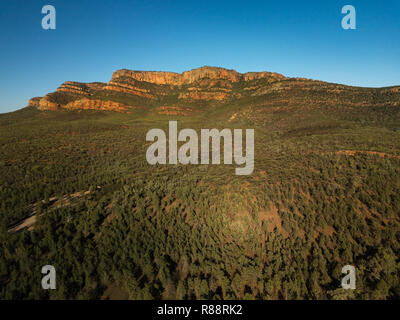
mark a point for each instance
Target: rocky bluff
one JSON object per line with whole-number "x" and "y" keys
{"x": 192, "y": 76}
{"x": 171, "y": 93}
{"x": 128, "y": 88}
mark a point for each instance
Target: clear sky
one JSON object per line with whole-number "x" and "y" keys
{"x": 93, "y": 38}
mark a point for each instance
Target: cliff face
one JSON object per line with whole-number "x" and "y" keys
{"x": 90, "y": 104}
{"x": 80, "y": 88}
{"x": 34, "y": 102}
{"x": 116, "y": 86}
{"x": 156, "y": 77}
{"x": 210, "y": 85}
{"x": 46, "y": 104}
{"x": 249, "y": 76}
{"x": 192, "y": 76}
{"x": 202, "y": 84}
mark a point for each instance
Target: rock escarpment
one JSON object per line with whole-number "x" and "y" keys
{"x": 192, "y": 76}
{"x": 202, "y": 84}
{"x": 93, "y": 104}
{"x": 207, "y": 86}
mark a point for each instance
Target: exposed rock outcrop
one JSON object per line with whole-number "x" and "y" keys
{"x": 46, "y": 104}
{"x": 205, "y": 83}
{"x": 74, "y": 87}
{"x": 34, "y": 102}
{"x": 157, "y": 77}
{"x": 127, "y": 88}
{"x": 189, "y": 77}
{"x": 88, "y": 104}
{"x": 81, "y": 88}
{"x": 262, "y": 75}
{"x": 192, "y": 76}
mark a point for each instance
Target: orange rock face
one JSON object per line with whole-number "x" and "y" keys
{"x": 34, "y": 102}
{"x": 156, "y": 77}
{"x": 74, "y": 87}
{"x": 260, "y": 75}
{"x": 192, "y": 76}
{"x": 205, "y": 83}
{"x": 189, "y": 77}
{"x": 126, "y": 88}
{"x": 88, "y": 104}
{"x": 46, "y": 104}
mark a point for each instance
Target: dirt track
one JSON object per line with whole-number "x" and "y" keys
{"x": 56, "y": 203}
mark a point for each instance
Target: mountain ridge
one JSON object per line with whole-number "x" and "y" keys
{"x": 205, "y": 84}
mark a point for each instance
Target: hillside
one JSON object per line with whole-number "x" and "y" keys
{"x": 324, "y": 192}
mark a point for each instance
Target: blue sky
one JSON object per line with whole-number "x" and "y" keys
{"x": 93, "y": 38}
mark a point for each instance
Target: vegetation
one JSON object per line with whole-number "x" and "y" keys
{"x": 320, "y": 197}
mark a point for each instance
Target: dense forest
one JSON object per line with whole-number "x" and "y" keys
{"x": 324, "y": 194}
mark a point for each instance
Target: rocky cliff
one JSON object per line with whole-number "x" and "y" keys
{"x": 192, "y": 76}
{"x": 128, "y": 88}
{"x": 205, "y": 83}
